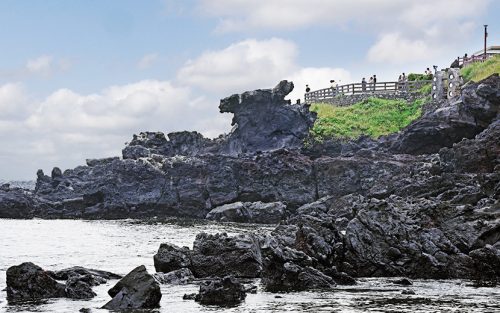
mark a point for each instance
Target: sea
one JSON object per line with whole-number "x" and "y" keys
{"x": 120, "y": 246}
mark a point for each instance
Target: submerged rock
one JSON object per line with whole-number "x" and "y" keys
{"x": 221, "y": 291}
{"x": 136, "y": 290}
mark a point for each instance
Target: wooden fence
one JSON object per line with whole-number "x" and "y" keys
{"x": 367, "y": 88}
{"x": 473, "y": 59}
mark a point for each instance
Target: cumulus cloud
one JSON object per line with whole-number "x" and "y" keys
{"x": 66, "y": 127}
{"x": 147, "y": 61}
{"x": 394, "y": 48}
{"x": 253, "y": 64}
{"x": 424, "y": 23}
{"x": 247, "y": 64}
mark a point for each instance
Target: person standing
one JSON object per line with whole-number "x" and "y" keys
{"x": 363, "y": 84}
{"x": 308, "y": 89}
{"x": 374, "y": 82}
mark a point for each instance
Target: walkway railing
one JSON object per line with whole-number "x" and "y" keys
{"x": 365, "y": 88}
{"x": 474, "y": 59}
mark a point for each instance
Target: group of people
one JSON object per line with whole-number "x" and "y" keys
{"x": 372, "y": 81}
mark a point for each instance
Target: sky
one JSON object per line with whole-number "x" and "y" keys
{"x": 78, "y": 78}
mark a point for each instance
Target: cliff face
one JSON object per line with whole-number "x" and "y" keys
{"x": 423, "y": 202}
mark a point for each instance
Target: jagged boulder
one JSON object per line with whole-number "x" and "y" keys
{"x": 263, "y": 120}
{"x": 221, "y": 291}
{"x": 221, "y": 255}
{"x": 29, "y": 282}
{"x": 171, "y": 258}
{"x": 249, "y": 212}
{"x": 136, "y": 290}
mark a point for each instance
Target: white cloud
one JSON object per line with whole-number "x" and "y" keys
{"x": 14, "y": 103}
{"x": 41, "y": 65}
{"x": 412, "y": 24}
{"x": 66, "y": 127}
{"x": 248, "y": 64}
{"x": 147, "y": 61}
{"x": 253, "y": 64}
{"x": 316, "y": 78}
{"x": 393, "y": 48}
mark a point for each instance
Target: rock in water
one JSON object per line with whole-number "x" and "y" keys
{"x": 29, "y": 282}
{"x": 220, "y": 255}
{"x": 178, "y": 277}
{"x": 171, "y": 257}
{"x": 225, "y": 291}
{"x": 137, "y": 290}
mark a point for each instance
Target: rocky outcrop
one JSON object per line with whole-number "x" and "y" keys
{"x": 171, "y": 258}
{"x": 29, "y": 282}
{"x": 221, "y": 255}
{"x": 463, "y": 117}
{"x": 221, "y": 291}
{"x": 263, "y": 120}
{"x": 213, "y": 255}
{"x": 249, "y": 212}
{"x": 420, "y": 203}
{"x": 137, "y": 290}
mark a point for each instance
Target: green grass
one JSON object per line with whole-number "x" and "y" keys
{"x": 480, "y": 70}
{"x": 426, "y": 89}
{"x": 373, "y": 117}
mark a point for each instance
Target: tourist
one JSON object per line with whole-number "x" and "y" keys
{"x": 370, "y": 83}
{"x": 374, "y": 82}
{"x": 400, "y": 82}
{"x": 308, "y": 89}
{"x": 332, "y": 83}
{"x": 363, "y": 84}
{"x": 404, "y": 80}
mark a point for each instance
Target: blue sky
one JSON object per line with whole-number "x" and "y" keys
{"x": 78, "y": 78}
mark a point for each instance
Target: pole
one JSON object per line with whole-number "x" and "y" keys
{"x": 485, "y": 36}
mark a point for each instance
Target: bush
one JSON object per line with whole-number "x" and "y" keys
{"x": 416, "y": 77}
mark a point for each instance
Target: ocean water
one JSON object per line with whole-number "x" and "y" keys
{"x": 120, "y": 246}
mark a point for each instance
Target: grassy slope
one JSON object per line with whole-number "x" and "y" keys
{"x": 481, "y": 70}
{"x": 373, "y": 117}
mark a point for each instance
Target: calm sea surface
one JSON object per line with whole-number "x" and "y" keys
{"x": 120, "y": 246}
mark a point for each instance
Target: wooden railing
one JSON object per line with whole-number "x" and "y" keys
{"x": 473, "y": 59}
{"x": 365, "y": 88}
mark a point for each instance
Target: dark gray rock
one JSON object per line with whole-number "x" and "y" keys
{"x": 29, "y": 282}
{"x": 98, "y": 276}
{"x": 221, "y": 291}
{"x": 171, "y": 258}
{"x": 137, "y": 290}
{"x": 177, "y": 277}
{"x": 403, "y": 282}
{"x": 249, "y": 212}
{"x": 221, "y": 255}
{"x": 80, "y": 287}
{"x": 263, "y": 120}
{"x": 16, "y": 203}
{"x": 477, "y": 107}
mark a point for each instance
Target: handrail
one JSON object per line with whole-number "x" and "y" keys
{"x": 365, "y": 88}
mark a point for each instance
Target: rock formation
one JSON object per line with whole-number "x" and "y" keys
{"x": 221, "y": 291}
{"x": 29, "y": 282}
{"x": 422, "y": 203}
{"x": 136, "y": 290}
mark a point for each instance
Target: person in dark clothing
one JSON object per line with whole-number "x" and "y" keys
{"x": 363, "y": 84}
{"x": 307, "y": 88}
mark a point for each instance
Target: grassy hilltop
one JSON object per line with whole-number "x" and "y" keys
{"x": 377, "y": 117}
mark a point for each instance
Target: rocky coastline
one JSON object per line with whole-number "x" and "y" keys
{"x": 422, "y": 203}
